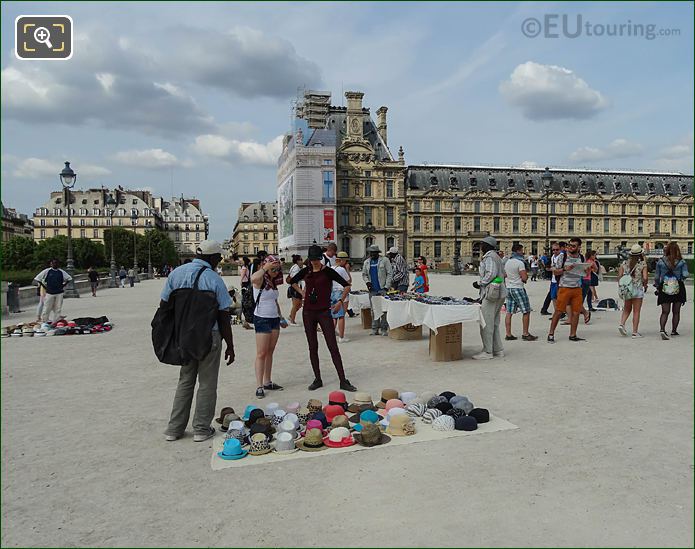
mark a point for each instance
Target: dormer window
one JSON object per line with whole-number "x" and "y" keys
{"x": 84, "y": 201}
{"x": 684, "y": 188}
{"x": 565, "y": 185}
{"x": 582, "y": 186}
{"x": 651, "y": 188}
{"x": 529, "y": 185}
{"x": 601, "y": 187}
{"x": 618, "y": 186}
{"x": 492, "y": 183}
{"x": 453, "y": 181}
{"x": 667, "y": 188}
{"x": 472, "y": 181}
{"x": 634, "y": 186}
{"x": 510, "y": 183}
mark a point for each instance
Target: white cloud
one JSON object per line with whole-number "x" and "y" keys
{"x": 618, "y": 148}
{"x": 106, "y": 80}
{"x": 233, "y": 150}
{"x": 549, "y": 92}
{"x": 37, "y": 168}
{"x": 680, "y": 150}
{"x": 149, "y": 158}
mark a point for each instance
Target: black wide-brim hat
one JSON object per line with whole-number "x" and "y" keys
{"x": 480, "y": 414}
{"x": 254, "y": 416}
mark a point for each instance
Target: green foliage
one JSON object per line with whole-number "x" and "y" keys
{"x": 160, "y": 246}
{"x": 18, "y": 253}
{"x": 51, "y": 248}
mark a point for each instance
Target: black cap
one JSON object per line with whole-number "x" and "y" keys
{"x": 315, "y": 252}
{"x": 444, "y": 407}
{"x": 465, "y": 423}
{"x": 480, "y": 414}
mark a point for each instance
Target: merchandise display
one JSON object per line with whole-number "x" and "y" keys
{"x": 386, "y": 395}
{"x": 371, "y": 435}
{"x": 78, "y": 326}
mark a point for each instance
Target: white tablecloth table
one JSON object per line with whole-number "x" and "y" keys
{"x": 360, "y": 301}
{"x": 400, "y": 313}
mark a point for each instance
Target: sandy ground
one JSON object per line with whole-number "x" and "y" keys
{"x": 603, "y": 454}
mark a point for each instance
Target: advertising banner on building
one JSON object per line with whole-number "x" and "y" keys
{"x": 286, "y": 212}
{"x": 328, "y": 225}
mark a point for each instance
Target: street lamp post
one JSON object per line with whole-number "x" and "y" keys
{"x": 111, "y": 209}
{"x": 149, "y": 248}
{"x": 457, "y": 259}
{"x": 547, "y": 179}
{"x": 134, "y": 219}
{"x": 67, "y": 180}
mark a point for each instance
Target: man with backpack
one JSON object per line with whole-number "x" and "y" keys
{"x": 205, "y": 370}
{"x": 569, "y": 289}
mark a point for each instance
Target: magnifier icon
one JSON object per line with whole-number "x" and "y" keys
{"x": 42, "y": 36}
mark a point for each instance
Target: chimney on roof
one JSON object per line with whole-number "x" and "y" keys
{"x": 381, "y": 123}
{"x": 354, "y": 115}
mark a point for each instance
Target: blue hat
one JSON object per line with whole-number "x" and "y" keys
{"x": 247, "y": 411}
{"x": 320, "y": 416}
{"x": 369, "y": 416}
{"x": 232, "y": 450}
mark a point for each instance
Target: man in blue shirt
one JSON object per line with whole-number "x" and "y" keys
{"x": 53, "y": 280}
{"x": 208, "y": 254}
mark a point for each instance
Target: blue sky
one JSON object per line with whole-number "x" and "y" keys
{"x": 202, "y": 91}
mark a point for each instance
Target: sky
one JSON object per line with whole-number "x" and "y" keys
{"x": 193, "y": 98}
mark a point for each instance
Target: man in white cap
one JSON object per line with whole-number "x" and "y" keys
{"x": 208, "y": 256}
{"x": 400, "y": 270}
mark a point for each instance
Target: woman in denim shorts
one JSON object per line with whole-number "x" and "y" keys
{"x": 267, "y": 321}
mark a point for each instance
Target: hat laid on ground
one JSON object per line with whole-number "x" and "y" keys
{"x": 314, "y": 424}
{"x": 360, "y": 402}
{"x": 320, "y": 416}
{"x": 278, "y": 416}
{"x": 457, "y": 398}
{"x": 259, "y": 444}
{"x": 447, "y": 395}
{"x": 465, "y": 404}
{"x": 270, "y": 409}
{"x": 228, "y": 418}
{"x": 393, "y": 412}
{"x": 407, "y": 397}
{"x": 294, "y": 420}
{"x": 444, "y": 407}
{"x": 303, "y": 415}
{"x": 314, "y": 405}
{"x": 262, "y": 426}
{"x": 288, "y": 427}
{"x": 393, "y": 250}
{"x": 337, "y": 398}
{"x": 292, "y": 408}
{"x": 401, "y": 425}
{"x": 416, "y": 409}
{"x": 223, "y": 412}
{"x": 231, "y": 449}
{"x": 343, "y": 255}
{"x": 455, "y": 412}
{"x": 490, "y": 241}
{"x": 371, "y": 435}
{"x": 425, "y": 396}
{"x": 430, "y": 415}
{"x": 236, "y": 424}
{"x": 465, "y": 423}
{"x": 340, "y": 421}
{"x": 312, "y": 441}
{"x": 238, "y": 434}
{"x": 390, "y": 404}
{"x": 431, "y": 403}
{"x": 285, "y": 444}
{"x": 373, "y": 248}
{"x": 315, "y": 252}
{"x": 248, "y": 410}
{"x": 367, "y": 416}
{"x": 333, "y": 410}
{"x": 636, "y": 249}
{"x": 254, "y": 416}
{"x": 444, "y": 423}
{"x": 481, "y": 415}
{"x": 386, "y": 395}
{"x": 339, "y": 437}
{"x": 209, "y": 247}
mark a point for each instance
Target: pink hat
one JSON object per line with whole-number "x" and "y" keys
{"x": 314, "y": 424}
{"x": 392, "y": 403}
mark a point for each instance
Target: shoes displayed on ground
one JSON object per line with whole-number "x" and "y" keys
{"x": 204, "y": 437}
{"x": 272, "y": 386}
{"x": 622, "y": 330}
{"x": 483, "y": 356}
{"x": 529, "y": 337}
{"x": 260, "y": 393}
{"x": 637, "y": 335}
{"x": 316, "y": 384}
{"x": 345, "y": 385}
{"x": 664, "y": 336}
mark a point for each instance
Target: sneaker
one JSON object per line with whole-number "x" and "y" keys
{"x": 273, "y": 387}
{"x": 637, "y": 335}
{"x": 343, "y": 340}
{"x": 551, "y": 338}
{"x": 665, "y": 336}
{"x": 374, "y": 333}
{"x": 345, "y": 385}
{"x": 260, "y": 393}
{"x": 316, "y": 384}
{"x": 510, "y": 338}
{"x": 622, "y": 330}
{"x": 674, "y": 333}
{"x": 204, "y": 437}
{"x": 529, "y": 337}
{"x": 483, "y": 356}
{"x": 545, "y": 313}
{"x": 498, "y": 353}
{"x": 575, "y": 338}
{"x": 172, "y": 438}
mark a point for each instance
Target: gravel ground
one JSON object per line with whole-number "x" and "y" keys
{"x": 603, "y": 455}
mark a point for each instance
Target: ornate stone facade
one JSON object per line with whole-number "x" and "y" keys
{"x": 255, "y": 229}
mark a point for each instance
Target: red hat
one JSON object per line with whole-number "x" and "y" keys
{"x": 333, "y": 410}
{"x": 339, "y": 398}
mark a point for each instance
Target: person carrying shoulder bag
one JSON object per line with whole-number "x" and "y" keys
{"x": 492, "y": 294}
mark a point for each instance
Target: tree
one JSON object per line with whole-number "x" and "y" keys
{"x": 88, "y": 253}
{"x": 161, "y": 247}
{"x": 18, "y": 253}
{"x": 51, "y": 248}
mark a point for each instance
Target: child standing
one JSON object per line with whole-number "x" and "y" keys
{"x": 419, "y": 282}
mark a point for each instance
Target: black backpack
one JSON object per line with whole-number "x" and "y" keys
{"x": 182, "y": 326}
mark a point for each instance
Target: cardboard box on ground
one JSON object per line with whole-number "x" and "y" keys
{"x": 366, "y": 315}
{"x": 445, "y": 345}
{"x": 406, "y": 333}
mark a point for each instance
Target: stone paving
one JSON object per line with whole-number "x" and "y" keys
{"x": 603, "y": 455}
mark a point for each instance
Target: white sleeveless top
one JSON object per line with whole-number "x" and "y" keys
{"x": 268, "y": 304}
